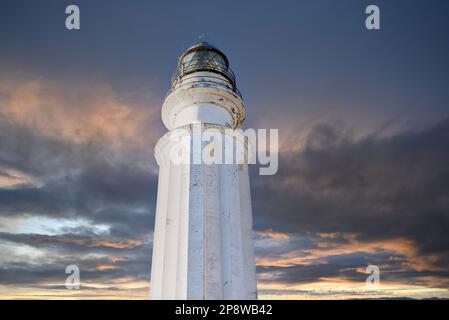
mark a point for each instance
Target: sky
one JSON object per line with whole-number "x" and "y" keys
{"x": 363, "y": 121}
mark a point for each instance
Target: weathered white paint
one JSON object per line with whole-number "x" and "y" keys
{"x": 201, "y": 98}
{"x": 203, "y": 246}
{"x": 157, "y": 267}
{"x": 203, "y": 113}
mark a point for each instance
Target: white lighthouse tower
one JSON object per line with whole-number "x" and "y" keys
{"x": 203, "y": 232}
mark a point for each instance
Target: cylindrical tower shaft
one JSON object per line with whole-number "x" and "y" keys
{"x": 203, "y": 232}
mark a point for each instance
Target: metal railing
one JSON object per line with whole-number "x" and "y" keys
{"x": 207, "y": 65}
{"x": 209, "y": 80}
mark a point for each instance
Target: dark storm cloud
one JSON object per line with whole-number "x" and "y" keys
{"x": 376, "y": 187}
{"x": 340, "y": 266}
{"x": 23, "y": 149}
{"x": 123, "y": 263}
{"x": 73, "y": 242}
{"x": 74, "y": 181}
{"x": 351, "y": 267}
{"x": 89, "y": 180}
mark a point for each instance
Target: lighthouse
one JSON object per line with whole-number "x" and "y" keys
{"x": 203, "y": 246}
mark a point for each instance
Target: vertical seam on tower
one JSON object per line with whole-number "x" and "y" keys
{"x": 205, "y": 181}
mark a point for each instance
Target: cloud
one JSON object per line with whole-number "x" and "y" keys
{"x": 84, "y": 157}
{"x": 269, "y": 233}
{"x": 348, "y": 201}
{"x": 79, "y": 157}
{"x": 78, "y": 114}
{"x": 58, "y": 159}
{"x": 39, "y": 240}
{"x": 386, "y": 190}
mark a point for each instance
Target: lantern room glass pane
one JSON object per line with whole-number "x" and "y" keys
{"x": 203, "y": 60}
